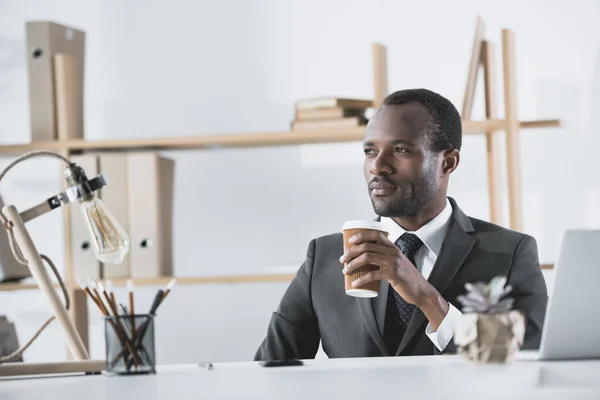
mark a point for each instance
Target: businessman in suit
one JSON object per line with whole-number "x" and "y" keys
{"x": 432, "y": 249}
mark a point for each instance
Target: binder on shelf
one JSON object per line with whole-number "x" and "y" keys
{"x": 67, "y": 97}
{"x": 10, "y": 268}
{"x": 151, "y": 184}
{"x": 84, "y": 261}
{"x": 114, "y": 165}
{"x": 44, "y": 40}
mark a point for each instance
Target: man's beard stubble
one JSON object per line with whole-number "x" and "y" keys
{"x": 411, "y": 197}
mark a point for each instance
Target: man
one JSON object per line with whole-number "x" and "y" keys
{"x": 411, "y": 148}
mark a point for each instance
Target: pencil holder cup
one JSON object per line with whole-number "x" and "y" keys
{"x": 130, "y": 344}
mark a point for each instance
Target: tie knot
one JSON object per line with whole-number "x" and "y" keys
{"x": 409, "y": 244}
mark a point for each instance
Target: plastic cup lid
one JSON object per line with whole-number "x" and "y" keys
{"x": 364, "y": 224}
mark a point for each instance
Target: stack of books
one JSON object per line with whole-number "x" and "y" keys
{"x": 330, "y": 113}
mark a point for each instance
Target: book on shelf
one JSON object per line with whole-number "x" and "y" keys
{"x": 330, "y": 102}
{"x": 329, "y": 113}
{"x": 339, "y": 123}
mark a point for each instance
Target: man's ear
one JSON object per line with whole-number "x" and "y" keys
{"x": 450, "y": 161}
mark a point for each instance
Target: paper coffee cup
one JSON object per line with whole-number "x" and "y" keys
{"x": 371, "y": 289}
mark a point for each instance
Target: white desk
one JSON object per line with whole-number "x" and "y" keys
{"x": 434, "y": 377}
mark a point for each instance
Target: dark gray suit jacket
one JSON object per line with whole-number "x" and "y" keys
{"x": 316, "y": 308}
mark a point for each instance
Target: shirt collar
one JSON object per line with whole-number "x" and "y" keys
{"x": 431, "y": 234}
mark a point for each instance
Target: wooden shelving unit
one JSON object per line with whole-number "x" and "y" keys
{"x": 71, "y": 147}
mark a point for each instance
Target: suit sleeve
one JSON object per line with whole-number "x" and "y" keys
{"x": 529, "y": 290}
{"x": 293, "y": 332}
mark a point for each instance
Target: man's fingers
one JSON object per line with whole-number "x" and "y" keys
{"x": 370, "y": 236}
{"x": 368, "y": 258}
{"x": 370, "y": 277}
{"x": 368, "y": 247}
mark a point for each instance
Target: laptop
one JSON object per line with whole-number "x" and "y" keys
{"x": 572, "y": 323}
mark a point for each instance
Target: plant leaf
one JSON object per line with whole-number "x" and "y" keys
{"x": 496, "y": 289}
{"x": 474, "y": 292}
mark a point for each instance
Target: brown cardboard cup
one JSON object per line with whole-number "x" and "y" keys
{"x": 371, "y": 289}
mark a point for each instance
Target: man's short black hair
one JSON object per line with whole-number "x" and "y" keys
{"x": 445, "y": 130}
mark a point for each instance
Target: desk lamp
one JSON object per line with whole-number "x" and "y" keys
{"x": 111, "y": 244}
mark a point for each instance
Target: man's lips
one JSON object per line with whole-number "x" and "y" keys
{"x": 381, "y": 188}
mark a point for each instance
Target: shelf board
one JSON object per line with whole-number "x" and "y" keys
{"x": 267, "y": 139}
{"x": 242, "y": 140}
{"x": 163, "y": 281}
{"x": 193, "y": 280}
{"x": 10, "y": 286}
{"x": 200, "y": 280}
{"x": 21, "y": 148}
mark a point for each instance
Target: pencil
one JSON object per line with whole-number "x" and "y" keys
{"x": 131, "y": 289}
{"x": 168, "y": 290}
{"x": 111, "y": 306}
{"x": 111, "y": 291}
{"x": 123, "y": 332}
{"x": 93, "y": 287}
{"x": 121, "y": 335}
{"x": 87, "y": 290}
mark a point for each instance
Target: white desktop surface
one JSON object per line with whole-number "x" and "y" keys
{"x": 432, "y": 377}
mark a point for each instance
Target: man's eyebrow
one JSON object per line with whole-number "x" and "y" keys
{"x": 399, "y": 141}
{"x": 392, "y": 142}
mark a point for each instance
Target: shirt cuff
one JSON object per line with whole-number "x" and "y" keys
{"x": 445, "y": 332}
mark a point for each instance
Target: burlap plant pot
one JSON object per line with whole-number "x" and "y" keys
{"x": 490, "y": 338}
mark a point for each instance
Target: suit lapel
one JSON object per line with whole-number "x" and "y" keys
{"x": 367, "y": 311}
{"x": 455, "y": 249}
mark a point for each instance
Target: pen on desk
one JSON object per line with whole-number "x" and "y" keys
{"x": 205, "y": 365}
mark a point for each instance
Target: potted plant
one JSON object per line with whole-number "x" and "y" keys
{"x": 489, "y": 331}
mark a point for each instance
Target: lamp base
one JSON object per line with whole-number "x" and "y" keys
{"x": 62, "y": 367}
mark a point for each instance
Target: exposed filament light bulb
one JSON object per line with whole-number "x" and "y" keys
{"x": 111, "y": 242}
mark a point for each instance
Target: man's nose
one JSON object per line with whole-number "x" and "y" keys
{"x": 381, "y": 165}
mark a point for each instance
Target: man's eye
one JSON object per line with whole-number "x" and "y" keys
{"x": 401, "y": 150}
{"x": 369, "y": 152}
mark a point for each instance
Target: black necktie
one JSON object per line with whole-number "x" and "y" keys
{"x": 398, "y": 311}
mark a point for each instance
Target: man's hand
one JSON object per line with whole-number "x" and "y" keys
{"x": 375, "y": 248}
{"x": 372, "y": 247}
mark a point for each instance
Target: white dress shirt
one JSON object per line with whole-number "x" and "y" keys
{"x": 432, "y": 235}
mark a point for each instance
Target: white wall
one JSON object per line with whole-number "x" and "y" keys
{"x": 196, "y": 67}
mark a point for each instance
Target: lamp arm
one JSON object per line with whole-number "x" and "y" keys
{"x": 15, "y": 248}
{"x": 71, "y": 194}
{"x": 40, "y": 274}
{"x": 19, "y": 237}
{"x": 15, "y": 354}
{"x": 24, "y": 157}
